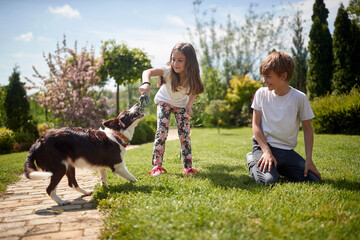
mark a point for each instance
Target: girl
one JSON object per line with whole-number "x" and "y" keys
{"x": 180, "y": 83}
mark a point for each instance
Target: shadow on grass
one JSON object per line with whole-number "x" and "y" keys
{"x": 220, "y": 175}
{"x": 102, "y": 192}
{"x": 343, "y": 184}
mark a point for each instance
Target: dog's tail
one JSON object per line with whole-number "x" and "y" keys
{"x": 30, "y": 168}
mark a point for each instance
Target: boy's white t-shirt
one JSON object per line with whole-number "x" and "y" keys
{"x": 281, "y": 116}
{"x": 165, "y": 93}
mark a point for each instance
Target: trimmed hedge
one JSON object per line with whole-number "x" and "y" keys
{"x": 337, "y": 114}
{"x": 145, "y": 131}
{"x": 7, "y": 139}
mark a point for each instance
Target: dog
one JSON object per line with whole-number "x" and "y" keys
{"x": 58, "y": 152}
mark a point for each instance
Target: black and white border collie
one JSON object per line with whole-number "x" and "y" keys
{"x": 58, "y": 152}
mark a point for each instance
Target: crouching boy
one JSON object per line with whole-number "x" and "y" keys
{"x": 277, "y": 112}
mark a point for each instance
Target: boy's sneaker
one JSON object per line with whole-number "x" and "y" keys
{"x": 157, "y": 170}
{"x": 190, "y": 171}
{"x": 249, "y": 157}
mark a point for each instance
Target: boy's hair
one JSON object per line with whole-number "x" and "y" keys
{"x": 193, "y": 80}
{"x": 279, "y": 62}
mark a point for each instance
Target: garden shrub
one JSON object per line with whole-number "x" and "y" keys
{"x": 337, "y": 114}
{"x": 7, "y": 139}
{"x": 238, "y": 99}
{"x": 44, "y": 127}
{"x": 145, "y": 131}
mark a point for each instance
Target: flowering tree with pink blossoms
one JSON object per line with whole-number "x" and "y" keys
{"x": 68, "y": 89}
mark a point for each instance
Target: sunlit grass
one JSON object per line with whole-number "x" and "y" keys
{"x": 11, "y": 166}
{"x": 223, "y": 202}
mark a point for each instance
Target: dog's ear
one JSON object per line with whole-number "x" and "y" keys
{"x": 114, "y": 124}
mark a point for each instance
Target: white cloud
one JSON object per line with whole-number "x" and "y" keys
{"x": 65, "y": 11}
{"x": 175, "y": 20}
{"x": 26, "y": 37}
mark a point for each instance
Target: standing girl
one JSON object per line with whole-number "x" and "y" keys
{"x": 180, "y": 83}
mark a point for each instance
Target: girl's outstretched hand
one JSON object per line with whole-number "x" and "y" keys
{"x": 144, "y": 89}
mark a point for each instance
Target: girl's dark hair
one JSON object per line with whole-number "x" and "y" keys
{"x": 192, "y": 80}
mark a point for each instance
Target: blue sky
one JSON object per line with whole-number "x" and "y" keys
{"x": 30, "y": 28}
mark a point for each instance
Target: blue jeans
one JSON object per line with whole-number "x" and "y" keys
{"x": 289, "y": 164}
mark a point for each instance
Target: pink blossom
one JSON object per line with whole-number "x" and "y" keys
{"x": 66, "y": 90}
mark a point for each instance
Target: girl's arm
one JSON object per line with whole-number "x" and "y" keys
{"x": 188, "y": 106}
{"x": 146, "y": 75}
{"x": 267, "y": 158}
{"x": 309, "y": 142}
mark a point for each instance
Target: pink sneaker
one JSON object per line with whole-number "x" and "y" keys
{"x": 157, "y": 170}
{"x": 190, "y": 171}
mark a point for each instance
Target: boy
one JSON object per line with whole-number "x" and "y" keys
{"x": 277, "y": 112}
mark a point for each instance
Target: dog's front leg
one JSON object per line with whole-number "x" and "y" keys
{"x": 103, "y": 176}
{"x": 122, "y": 171}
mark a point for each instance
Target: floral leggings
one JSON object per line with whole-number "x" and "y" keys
{"x": 164, "y": 111}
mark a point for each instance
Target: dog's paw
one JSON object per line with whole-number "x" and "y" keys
{"x": 88, "y": 193}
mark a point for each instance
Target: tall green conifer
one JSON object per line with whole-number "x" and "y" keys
{"x": 16, "y": 105}
{"x": 321, "y": 56}
{"x": 344, "y": 77}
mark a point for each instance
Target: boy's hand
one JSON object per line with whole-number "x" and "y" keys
{"x": 310, "y": 166}
{"x": 266, "y": 161}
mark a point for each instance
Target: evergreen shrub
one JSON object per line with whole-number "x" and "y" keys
{"x": 145, "y": 131}
{"x": 339, "y": 114}
{"x": 7, "y": 139}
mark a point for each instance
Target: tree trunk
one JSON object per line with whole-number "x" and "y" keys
{"x": 117, "y": 98}
{"x": 130, "y": 94}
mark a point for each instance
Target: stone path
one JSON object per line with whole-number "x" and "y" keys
{"x": 27, "y": 212}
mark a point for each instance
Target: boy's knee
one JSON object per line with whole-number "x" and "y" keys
{"x": 265, "y": 178}
{"x": 270, "y": 179}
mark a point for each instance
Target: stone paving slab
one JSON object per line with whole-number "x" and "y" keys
{"x": 27, "y": 212}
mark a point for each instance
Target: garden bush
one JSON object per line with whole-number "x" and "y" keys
{"x": 145, "y": 131}
{"x": 337, "y": 114}
{"x": 44, "y": 127}
{"x": 7, "y": 139}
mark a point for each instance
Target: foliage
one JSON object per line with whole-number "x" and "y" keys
{"x": 200, "y": 117}
{"x": 213, "y": 87}
{"x": 344, "y": 46}
{"x": 233, "y": 49}
{"x": 321, "y": 55}
{"x": 223, "y": 201}
{"x": 337, "y": 114}
{"x": 145, "y": 131}
{"x": 7, "y": 139}
{"x": 66, "y": 91}
{"x": 299, "y": 54}
{"x": 2, "y": 108}
{"x": 44, "y": 127}
{"x": 215, "y": 110}
{"x": 123, "y": 64}
{"x": 16, "y": 105}
{"x": 354, "y": 11}
{"x": 17, "y": 109}
{"x": 238, "y": 99}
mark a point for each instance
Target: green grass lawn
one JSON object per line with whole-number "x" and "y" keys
{"x": 11, "y": 167}
{"x": 223, "y": 202}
